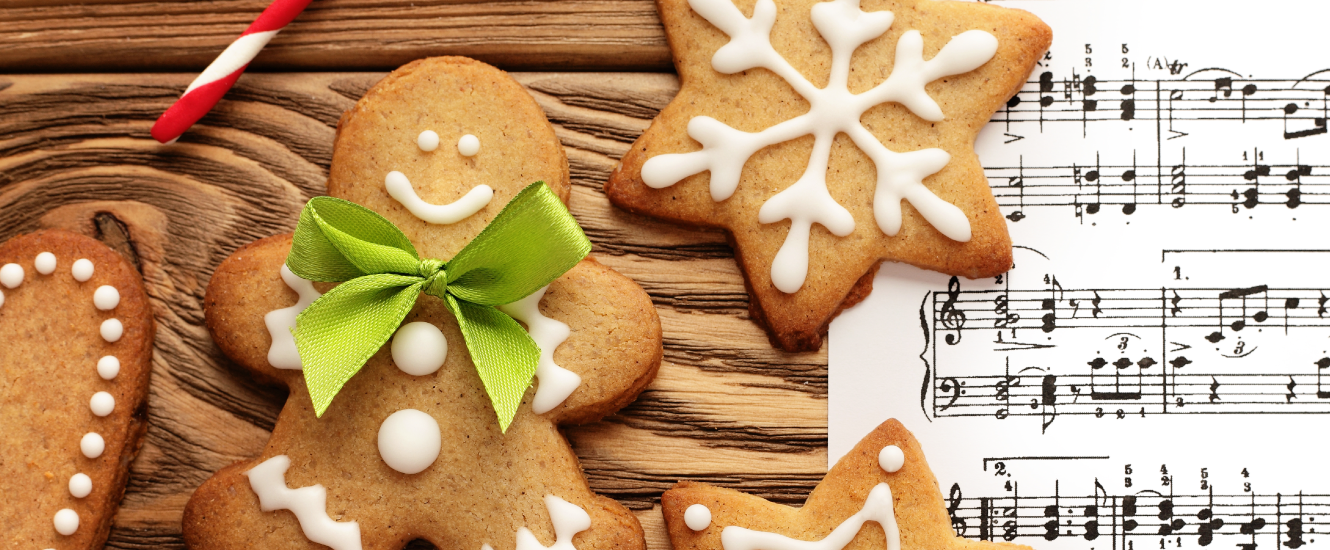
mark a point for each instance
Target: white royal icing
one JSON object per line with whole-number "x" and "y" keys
{"x": 419, "y": 348}
{"x": 891, "y": 458}
{"x": 282, "y": 353}
{"x": 112, "y": 330}
{"x": 11, "y": 275}
{"x": 309, "y": 504}
{"x": 409, "y": 441}
{"x": 66, "y": 522}
{"x": 427, "y": 141}
{"x": 468, "y": 146}
{"x": 400, "y": 189}
{"x": 45, "y": 263}
{"x": 832, "y": 110}
{"x": 102, "y": 403}
{"x": 92, "y": 445}
{"x": 80, "y": 485}
{"x": 82, "y": 270}
{"x": 877, "y": 508}
{"x": 106, "y": 298}
{"x": 556, "y": 383}
{"x": 108, "y": 367}
{"x": 697, "y": 517}
{"x": 569, "y": 519}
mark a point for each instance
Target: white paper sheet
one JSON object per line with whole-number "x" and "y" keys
{"x": 1155, "y": 370}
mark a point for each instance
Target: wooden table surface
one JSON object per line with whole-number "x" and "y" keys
{"x": 80, "y": 86}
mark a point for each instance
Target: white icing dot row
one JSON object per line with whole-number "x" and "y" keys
{"x": 105, "y": 298}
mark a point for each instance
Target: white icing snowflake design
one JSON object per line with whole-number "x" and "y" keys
{"x": 833, "y": 110}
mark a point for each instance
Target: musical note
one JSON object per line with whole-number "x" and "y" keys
{"x": 1322, "y": 389}
{"x": 1178, "y": 182}
{"x": 1053, "y": 512}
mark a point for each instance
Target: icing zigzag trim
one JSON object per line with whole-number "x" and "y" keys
{"x": 309, "y": 504}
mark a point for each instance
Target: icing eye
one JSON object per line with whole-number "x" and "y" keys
{"x": 468, "y": 146}
{"x": 428, "y": 140}
{"x": 697, "y": 517}
{"x": 891, "y": 458}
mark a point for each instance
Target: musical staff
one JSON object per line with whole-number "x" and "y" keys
{"x": 1138, "y": 352}
{"x": 1212, "y": 95}
{"x": 1124, "y": 520}
{"x": 1088, "y": 187}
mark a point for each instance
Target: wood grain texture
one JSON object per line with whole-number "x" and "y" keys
{"x": 75, "y": 153}
{"x": 162, "y": 35}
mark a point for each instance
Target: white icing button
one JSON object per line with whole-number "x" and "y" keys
{"x": 92, "y": 445}
{"x": 112, "y": 330}
{"x": 2, "y": 298}
{"x": 108, "y": 367}
{"x": 80, "y": 485}
{"x": 697, "y": 517}
{"x": 409, "y": 441}
{"x": 891, "y": 458}
{"x": 11, "y": 275}
{"x": 45, "y": 263}
{"x": 468, "y": 146}
{"x": 419, "y": 348}
{"x": 428, "y": 140}
{"x": 82, "y": 270}
{"x": 106, "y": 298}
{"x": 66, "y": 522}
{"x": 102, "y": 403}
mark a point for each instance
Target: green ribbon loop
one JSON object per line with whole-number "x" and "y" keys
{"x": 531, "y": 242}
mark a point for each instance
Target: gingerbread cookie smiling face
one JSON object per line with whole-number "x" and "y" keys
{"x": 796, "y": 132}
{"x": 76, "y": 335}
{"x": 410, "y": 446}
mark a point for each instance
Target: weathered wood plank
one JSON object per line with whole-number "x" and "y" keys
{"x": 75, "y": 153}
{"x": 168, "y": 35}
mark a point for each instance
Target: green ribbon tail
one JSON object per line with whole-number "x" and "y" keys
{"x": 531, "y": 242}
{"x": 504, "y": 355}
{"x": 342, "y": 330}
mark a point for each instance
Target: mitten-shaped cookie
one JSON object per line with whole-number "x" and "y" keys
{"x": 417, "y": 443}
{"x": 76, "y": 334}
{"x": 880, "y": 496}
{"x": 827, "y": 136}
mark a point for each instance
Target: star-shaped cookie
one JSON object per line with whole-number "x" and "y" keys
{"x": 827, "y": 136}
{"x": 880, "y": 496}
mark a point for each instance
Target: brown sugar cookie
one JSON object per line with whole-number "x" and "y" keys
{"x": 76, "y": 335}
{"x": 880, "y": 496}
{"x": 410, "y": 448}
{"x": 826, "y": 137}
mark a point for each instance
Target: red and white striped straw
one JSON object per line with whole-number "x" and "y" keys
{"x": 209, "y": 87}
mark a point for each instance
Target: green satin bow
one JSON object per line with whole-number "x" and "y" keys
{"x": 531, "y": 242}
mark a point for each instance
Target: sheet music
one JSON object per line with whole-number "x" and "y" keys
{"x": 1154, "y": 372}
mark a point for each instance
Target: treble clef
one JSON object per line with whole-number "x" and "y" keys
{"x": 952, "y": 318}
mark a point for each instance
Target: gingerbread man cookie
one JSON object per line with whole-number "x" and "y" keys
{"x": 827, "y": 136}
{"x": 410, "y": 447}
{"x": 881, "y": 496}
{"x": 76, "y": 335}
